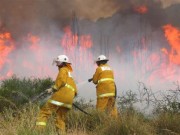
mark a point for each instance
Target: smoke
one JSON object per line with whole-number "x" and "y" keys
{"x": 133, "y": 40}
{"x": 39, "y": 16}
{"x": 167, "y": 3}
{"x": 21, "y": 16}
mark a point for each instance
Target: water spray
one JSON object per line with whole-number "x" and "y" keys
{"x": 82, "y": 83}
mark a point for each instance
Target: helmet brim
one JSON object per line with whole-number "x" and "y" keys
{"x": 101, "y": 60}
{"x": 68, "y": 62}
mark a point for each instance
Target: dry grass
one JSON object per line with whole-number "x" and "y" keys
{"x": 168, "y": 123}
{"x": 130, "y": 123}
{"x": 22, "y": 122}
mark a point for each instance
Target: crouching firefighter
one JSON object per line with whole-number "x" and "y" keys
{"x": 64, "y": 90}
{"x": 103, "y": 78}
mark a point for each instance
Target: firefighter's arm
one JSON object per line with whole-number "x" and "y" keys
{"x": 60, "y": 80}
{"x": 96, "y": 75}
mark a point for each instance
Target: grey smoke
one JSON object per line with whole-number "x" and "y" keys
{"x": 112, "y": 24}
{"x": 38, "y": 16}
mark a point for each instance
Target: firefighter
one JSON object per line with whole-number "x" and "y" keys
{"x": 103, "y": 78}
{"x": 64, "y": 90}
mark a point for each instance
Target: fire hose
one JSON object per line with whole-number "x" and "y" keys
{"x": 45, "y": 94}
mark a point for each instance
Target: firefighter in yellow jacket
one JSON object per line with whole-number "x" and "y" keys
{"x": 103, "y": 78}
{"x": 61, "y": 101}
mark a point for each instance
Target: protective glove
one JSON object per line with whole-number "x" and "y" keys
{"x": 50, "y": 90}
{"x": 89, "y": 80}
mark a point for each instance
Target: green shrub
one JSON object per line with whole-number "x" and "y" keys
{"x": 15, "y": 92}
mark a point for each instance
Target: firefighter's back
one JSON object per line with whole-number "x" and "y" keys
{"x": 105, "y": 80}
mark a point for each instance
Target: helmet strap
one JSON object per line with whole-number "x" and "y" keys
{"x": 62, "y": 64}
{"x": 98, "y": 63}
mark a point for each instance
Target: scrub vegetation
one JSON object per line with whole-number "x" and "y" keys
{"x": 18, "y": 113}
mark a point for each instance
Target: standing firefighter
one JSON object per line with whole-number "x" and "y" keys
{"x": 61, "y": 101}
{"x": 105, "y": 86}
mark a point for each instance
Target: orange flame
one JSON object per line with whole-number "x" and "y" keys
{"x": 172, "y": 35}
{"x": 86, "y": 41}
{"x": 34, "y": 40}
{"x": 39, "y": 54}
{"x": 141, "y": 9}
{"x": 6, "y": 47}
{"x": 69, "y": 40}
{"x": 77, "y": 47}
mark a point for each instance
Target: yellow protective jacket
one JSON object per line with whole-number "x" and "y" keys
{"x": 104, "y": 78}
{"x": 65, "y": 88}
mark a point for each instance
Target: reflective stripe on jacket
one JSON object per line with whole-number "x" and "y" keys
{"x": 60, "y": 104}
{"x": 41, "y": 123}
{"x": 106, "y": 95}
{"x": 70, "y": 87}
{"x": 105, "y": 79}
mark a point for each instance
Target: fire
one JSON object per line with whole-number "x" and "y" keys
{"x": 38, "y": 54}
{"x": 169, "y": 59}
{"x": 34, "y": 42}
{"x": 69, "y": 40}
{"x": 164, "y": 50}
{"x": 141, "y": 9}
{"x": 86, "y": 41}
{"x": 33, "y": 53}
{"x": 9, "y": 73}
{"x": 6, "y": 47}
{"x": 172, "y": 35}
{"x": 77, "y": 47}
